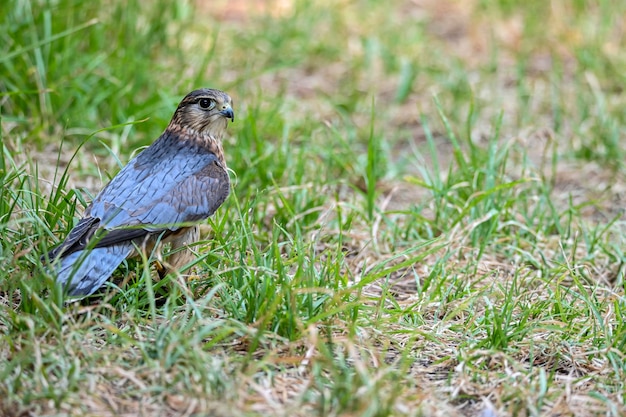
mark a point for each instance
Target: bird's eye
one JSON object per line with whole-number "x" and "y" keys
{"x": 206, "y": 103}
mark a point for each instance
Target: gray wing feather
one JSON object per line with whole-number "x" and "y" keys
{"x": 163, "y": 187}
{"x": 77, "y": 239}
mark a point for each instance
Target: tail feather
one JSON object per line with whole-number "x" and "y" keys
{"x": 82, "y": 273}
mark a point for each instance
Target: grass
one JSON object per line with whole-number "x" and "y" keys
{"x": 426, "y": 217}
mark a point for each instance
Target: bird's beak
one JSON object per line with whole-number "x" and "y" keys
{"x": 228, "y": 113}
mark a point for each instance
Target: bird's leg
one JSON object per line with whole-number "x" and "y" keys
{"x": 151, "y": 248}
{"x": 181, "y": 254}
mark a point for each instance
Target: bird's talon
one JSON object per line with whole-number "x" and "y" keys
{"x": 193, "y": 277}
{"x": 161, "y": 270}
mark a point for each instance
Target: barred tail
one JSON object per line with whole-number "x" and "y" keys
{"x": 83, "y": 272}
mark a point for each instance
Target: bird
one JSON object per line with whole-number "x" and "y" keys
{"x": 159, "y": 197}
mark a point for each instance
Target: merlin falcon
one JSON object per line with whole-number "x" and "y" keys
{"x": 159, "y": 197}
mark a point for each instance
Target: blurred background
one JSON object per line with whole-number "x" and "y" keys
{"x": 548, "y": 68}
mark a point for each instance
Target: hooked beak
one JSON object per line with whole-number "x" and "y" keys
{"x": 228, "y": 113}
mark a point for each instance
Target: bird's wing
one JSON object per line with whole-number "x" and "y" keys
{"x": 165, "y": 185}
{"x": 162, "y": 187}
{"x": 164, "y": 205}
{"x": 77, "y": 238}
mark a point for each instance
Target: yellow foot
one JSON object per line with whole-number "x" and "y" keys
{"x": 193, "y": 277}
{"x": 161, "y": 270}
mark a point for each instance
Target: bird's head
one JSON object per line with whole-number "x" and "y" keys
{"x": 205, "y": 111}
